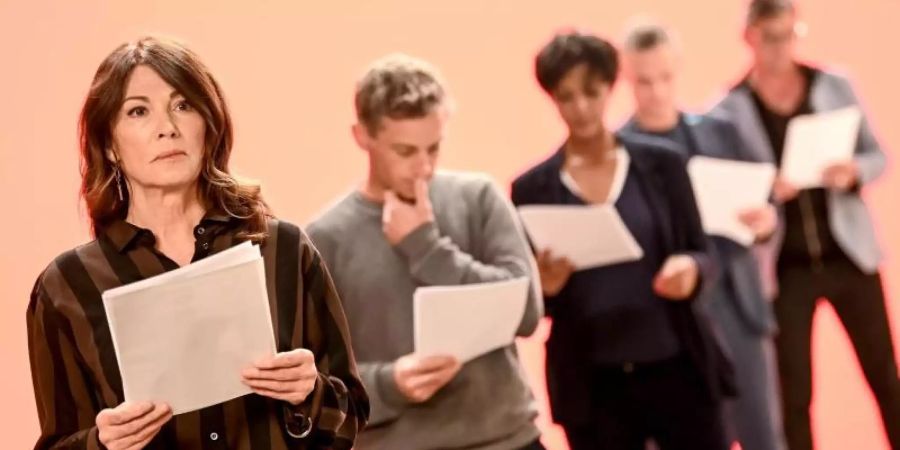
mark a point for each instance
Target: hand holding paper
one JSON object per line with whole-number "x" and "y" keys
{"x": 184, "y": 336}
{"x": 131, "y": 425}
{"x": 554, "y": 272}
{"x": 725, "y": 190}
{"x": 761, "y": 221}
{"x": 467, "y": 321}
{"x": 815, "y": 142}
{"x": 418, "y": 377}
{"x": 677, "y": 278}
{"x": 783, "y": 191}
{"x": 841, "y": 175}
{"x": 289, "y": 376}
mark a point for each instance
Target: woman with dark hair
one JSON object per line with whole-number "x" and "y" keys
{"x": 629, "y": 357}
{"x": 156, "y": 137}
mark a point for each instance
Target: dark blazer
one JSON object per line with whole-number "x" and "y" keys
{"x": 718, "y": 138}
{"x": 661, "y": 171}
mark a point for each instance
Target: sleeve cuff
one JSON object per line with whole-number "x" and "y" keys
{"x": 417, "y": 244}
{"x": 387, "y": 387}
{"x": 702, "y": 276}
{"x": 94, "y": 439}
{"x": 298, "y": 418}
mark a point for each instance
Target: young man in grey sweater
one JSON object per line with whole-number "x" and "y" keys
{"x": 408, "y": 226}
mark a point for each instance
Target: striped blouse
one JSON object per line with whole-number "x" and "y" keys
{"x": 76, "y": 375}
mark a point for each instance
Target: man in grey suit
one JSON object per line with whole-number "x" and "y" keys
{"x": 736, "y": 301}
{"x": 825, "y": 246}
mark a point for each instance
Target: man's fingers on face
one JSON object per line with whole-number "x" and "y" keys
{"x": 421, "y": 191}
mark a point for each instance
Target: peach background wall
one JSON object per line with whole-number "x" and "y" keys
{"x": 288, "y": 69}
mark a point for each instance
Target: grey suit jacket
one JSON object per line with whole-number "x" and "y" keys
{"x": 717, "y": 138}
{"x": 849, "y": 218}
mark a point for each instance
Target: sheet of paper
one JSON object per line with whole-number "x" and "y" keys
{"x": 817, "y": 140}
{"x": 470, "y": 320}
{"x": 589, "y": 236}
{"x": 726, "y": 188}
{"x": 185, "y": 340}
{"x": 235, "y": 255}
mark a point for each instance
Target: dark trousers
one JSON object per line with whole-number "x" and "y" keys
{"x": 536, "y": 445}
{"x": 664, "y": 401}
{"x": 858, "y": 300}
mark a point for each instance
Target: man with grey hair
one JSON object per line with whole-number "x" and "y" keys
{"x": 409, "y": 225}
{"x": 825, "y": 245}
{"x": 736, "y": 301}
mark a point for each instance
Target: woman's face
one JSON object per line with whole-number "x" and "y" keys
{"x": 158, "y": 138}
{"x": 581, "y": 100}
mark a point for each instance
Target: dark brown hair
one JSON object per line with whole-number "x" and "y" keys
{"x": 568, "y": 50}
{"x": 183, "y": 70}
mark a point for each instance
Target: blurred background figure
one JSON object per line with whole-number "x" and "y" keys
{"x": 629, "y": 358}
{"x": 736, "y": 301}
{"x": 409, "y": 225}
{"x": 826, "y": 245}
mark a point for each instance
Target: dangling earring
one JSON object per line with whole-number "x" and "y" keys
{"x": 118, "y": 175}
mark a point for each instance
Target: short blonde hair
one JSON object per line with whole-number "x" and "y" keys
{"x": 646, "y": 35}
{"x": 397, "y": 86}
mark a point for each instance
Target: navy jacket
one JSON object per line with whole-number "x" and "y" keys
{"x": 718, "y": 138}
{"x": 662, "y": 171}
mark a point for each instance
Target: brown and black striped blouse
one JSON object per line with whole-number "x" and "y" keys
{"x": 76, "y": 375}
